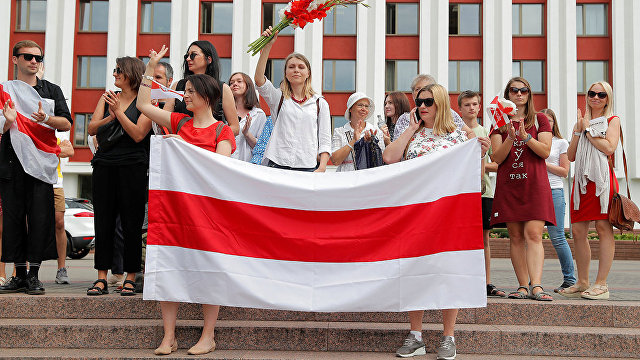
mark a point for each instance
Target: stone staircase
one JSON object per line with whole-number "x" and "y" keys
{"x": 114, "y": 327}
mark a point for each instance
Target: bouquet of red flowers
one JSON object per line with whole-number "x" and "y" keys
{"x": 299, "y": 13}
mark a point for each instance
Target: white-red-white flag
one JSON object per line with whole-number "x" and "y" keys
{"x": 499, "y": 110}
{"x": 34, "y": 143}
{"x": 159, "y": 91}
{"x": 394, "y": 238}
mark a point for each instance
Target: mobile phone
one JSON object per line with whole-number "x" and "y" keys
{"x": 417, "y": 112}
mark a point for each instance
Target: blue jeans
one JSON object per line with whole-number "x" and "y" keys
{"x": 559, "y": 241}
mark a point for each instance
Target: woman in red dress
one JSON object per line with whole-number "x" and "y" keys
{"x": 523, "y": 198}
{"x": 595, "y": 138}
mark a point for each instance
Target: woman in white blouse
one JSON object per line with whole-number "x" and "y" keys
{"x": 360, "y": 107}
{"x": 252, "y": 118}
{"x": 301, "y": 138}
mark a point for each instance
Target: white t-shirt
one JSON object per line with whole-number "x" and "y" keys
{"x": 558, "y": 146}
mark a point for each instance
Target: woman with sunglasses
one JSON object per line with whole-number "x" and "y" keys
{"x": 202, "y": 130}
{"x": 522, "y": 198}
{"x": 301, "y": 138}
{"x": 252, "y": 118}
{"x": 120, "y": 174}
{"x": 202, "y": 58}
{"x": 430, "y": 130}
{"x": 594, "y": 141}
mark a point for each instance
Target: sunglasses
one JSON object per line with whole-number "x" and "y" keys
{"x": 428, "y": 102}
{"x": 515, "y": 90}
{"x": 593, "y": 94}
{"x": 117, "y": 71}
{"x": 30, "y": 57}
{"x": 191, "y": 56}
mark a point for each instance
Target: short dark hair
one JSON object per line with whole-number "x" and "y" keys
{"x": 132, "y": 68}
{"x": 467, "y": 94}
{"x": 205, "y": 86}
{"x": 168, "y": 69}
{"x": 250, "y": 97}
{"x": 213, "y": 69}
{"x": 25, "y": 44}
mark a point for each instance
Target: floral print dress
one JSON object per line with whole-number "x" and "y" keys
{"x": 425, "y": 142}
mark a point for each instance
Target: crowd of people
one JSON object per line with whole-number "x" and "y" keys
{"x": 528, "y": 155}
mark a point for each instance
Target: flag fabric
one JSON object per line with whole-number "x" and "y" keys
{"x": 34, "y": 143}
{"x": 499, "y": 111}
{"x": 401, "y": 237}
{"x": 159, "y": 91}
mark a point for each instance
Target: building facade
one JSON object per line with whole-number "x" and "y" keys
{"x": 559, "y": 46}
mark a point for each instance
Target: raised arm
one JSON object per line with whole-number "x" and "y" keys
{"x": 259, "y": 77}
{"x": 229, "y": 109}
{"x": 157, "y": 115}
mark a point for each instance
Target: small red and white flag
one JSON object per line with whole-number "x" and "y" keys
{"x": 499, "y": 110}
{"x": 159, "y": 91}
{"x": 34, "y": 143}
{"x": 223, "y": 231}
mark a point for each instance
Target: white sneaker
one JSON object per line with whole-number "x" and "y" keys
{"x": 62, "y": 277}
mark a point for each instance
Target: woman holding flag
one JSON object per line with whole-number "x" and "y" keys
{"x": 430, "y": 130}
{"x": 203, "y": 130}
{"x": 522, "y": 198}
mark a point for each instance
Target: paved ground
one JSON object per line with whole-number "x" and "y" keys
{"x": 624, "y": 278}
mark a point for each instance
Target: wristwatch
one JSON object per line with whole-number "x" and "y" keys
{"x": 528, "y": 138}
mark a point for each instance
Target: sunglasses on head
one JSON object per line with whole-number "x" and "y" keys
{"x": 593, "y": 94}
{"x": 428, "y": 102}
{"x": 117, "y": 71}
{"x": 191, "y": 56}
{"x": 514, "y": 90}
{"x": 30, "y": 57}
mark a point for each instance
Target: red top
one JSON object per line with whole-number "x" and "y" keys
{"x": 202, "y": 137}
{"x": 523, "y": 192}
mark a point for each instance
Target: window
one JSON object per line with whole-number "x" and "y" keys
{"x": 341, "y": 20}
{"x": 271, "y": 17}
{"x": 527, "y": 19}
{"x": 80, "y": 125}
{"x": 31, "y": 15}
{"x": 339, "y": 75}
{"x": 399, "y": 74}
{"x": 156, "y": 17}
{"x": 92, "y": 71}
{"x": 464, "y": 19}
{"x": 275, "y": 71}
{"x": 532, "y": 71}
{"x": 464, "y": 75}
{"x": 94, "y": 15}
{"x": 225, "y": 69}
{"x": 402, "y": 19}
{"x": 337, "y": 121}
{"x": 217, "y": 18}
{"x": 591, "y": 19}
{"x": 590, "y": 72}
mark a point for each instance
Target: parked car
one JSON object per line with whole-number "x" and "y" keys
{"x": 78, "y": 223}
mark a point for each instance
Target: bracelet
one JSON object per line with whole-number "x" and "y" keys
{"x": 529, "y": 137}
{"x": 349, "y": 145}
{"x": 148, "y": 77}
{"x": 147, "y": 85}
{"x": 46, "y": 118}
{"x": 577, "y": 133}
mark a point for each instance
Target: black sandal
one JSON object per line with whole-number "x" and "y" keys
{"x": 96, "y": 290}
{"x": 492, "y": 290}
{"x": 128, "y": 291}
{"x": 518, "y": 294}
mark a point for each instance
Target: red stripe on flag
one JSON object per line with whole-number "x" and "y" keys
{"x": 209, "y": 224}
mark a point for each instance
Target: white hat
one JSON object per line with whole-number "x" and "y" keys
{"x": 354, "y": 98}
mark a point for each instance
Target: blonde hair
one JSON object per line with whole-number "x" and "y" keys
{"x": 444, "y": 120}
{"x": 285, "y": 85}
{"x": 607, "y": 112}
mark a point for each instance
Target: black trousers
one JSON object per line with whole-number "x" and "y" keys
{"x": 28, "y": 226}
{"x": 119, "y": 190}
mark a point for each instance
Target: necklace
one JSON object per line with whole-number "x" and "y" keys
{"x": 299, "y": 101}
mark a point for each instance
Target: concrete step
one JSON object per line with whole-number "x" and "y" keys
{"x": 321, "y": 336}
{"x": 181, "y": 354}
{"x": 561, "y": 312}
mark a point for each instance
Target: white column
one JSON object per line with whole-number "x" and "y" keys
{"x": 434, "y": 40}
{"x": 308, "y": 41}
{"x": 5, "y": 46}
{"x": 370, "y": 53}
{"x": 626, "y": 81}
{"x": 496, "y": 46}
{"x": 246, "y": 28}
{"x": 122, "y": 34}
{"x": 562, "y": 86}
{"x": 184, "y": 30}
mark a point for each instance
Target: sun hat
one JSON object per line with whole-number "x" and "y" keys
{"x": 354, "y": 98}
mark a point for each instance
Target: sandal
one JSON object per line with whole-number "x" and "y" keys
{"x": 128, "y": 291}
{"x": 519, "y": 294}
{"x": 492, "y": 290}
{"x": 596, "y": 292}
{"x": 96, "y": 290}
{"x": 541, "y": 295}
{"x": 573, "y": 291}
